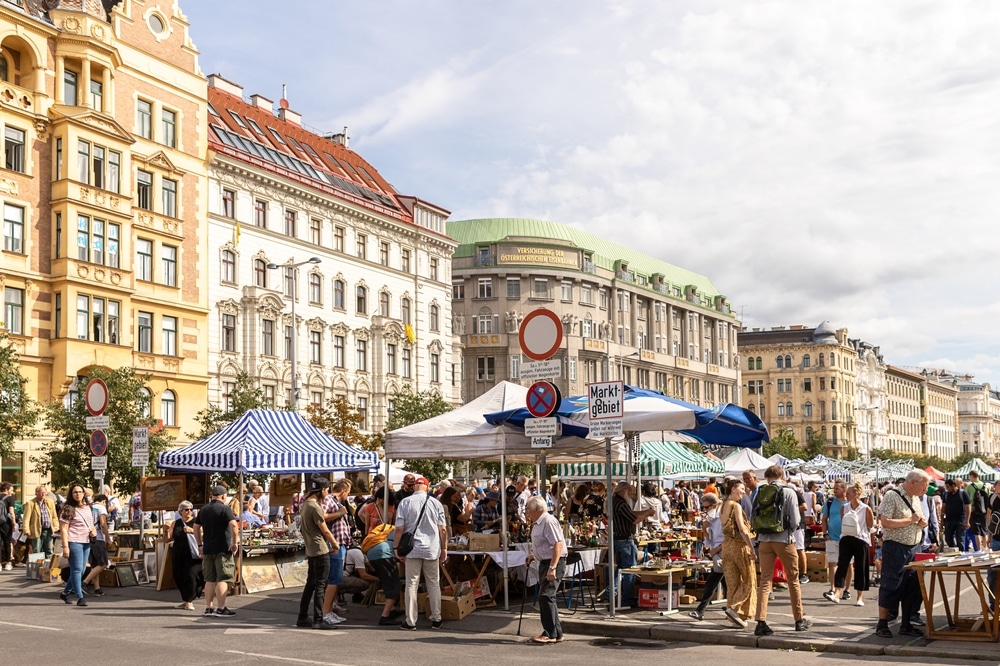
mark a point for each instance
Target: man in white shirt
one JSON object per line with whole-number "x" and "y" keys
{"x": 430, "y": 549}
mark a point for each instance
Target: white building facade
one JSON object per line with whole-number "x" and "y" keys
{"x": 299, "y": 223}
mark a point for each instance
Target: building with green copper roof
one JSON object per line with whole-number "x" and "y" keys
{"x": 625, "y": 315}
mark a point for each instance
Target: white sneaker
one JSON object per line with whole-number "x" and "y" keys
{"x": 333, "y": 618}
{"x": 859, "y": 602}
{"x": 8, "y": 567}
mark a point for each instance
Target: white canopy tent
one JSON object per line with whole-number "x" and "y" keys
{"x": 746, "y": 459}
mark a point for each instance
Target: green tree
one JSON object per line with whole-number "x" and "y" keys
{"x": 244, "y": 396}
{"x": 18, "y": 412}
{"x": 342, "y": 420}
{"x": 66, "y": 458}
{"x": 409, "y": 408}
{"x": 783, "y": 443}
{"x": 815, "y": 445}
{"x": 514, "y": 470}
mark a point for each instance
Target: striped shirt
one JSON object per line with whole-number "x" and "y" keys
{"x": 624, "y": 519}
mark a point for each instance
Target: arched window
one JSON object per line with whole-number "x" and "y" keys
{"x": 315, "y": 288}
{"x": 788, "y": 409}
{"x": 432, "y": 318}
{"x": 146, "y": 402}
{"x": 760, "y": 363}
{"x": 762, "y": 410}
{"x": 749, "y": 362}
{"x": 788, "y": 361}
{"x": 361, "y": 305}
{"x": 228, "y": 266}
{"x": 805, "y": 361}
{"x": 822, "y": 360}
{"x": 833, "y": 410}
{"x": 807, "y": 409}
{"x": 833, "y": 360}
{"x": 383, "y": 304}
{"x": 3, "y": 69}
{"x": 260, "y": 273}
{"x": 781, "y": 408}
{"x": 338, "y": 294}
{"x": 168, "y": 408}
{"x": 404, "y": 310}
{"x": 751, "y": 408}
{"x": 809, "y": 432}
{"x": 781, "y": 363}
{"x": 834, "y": 434}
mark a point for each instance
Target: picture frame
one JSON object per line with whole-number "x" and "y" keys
{"x": 124, "y": 554}
{"x": 283, "y": 488}
{"x": 360, "y": 482}
{"x": 126, "y": 575}
{"x": 149, "y": 563}
{"x": 163, "y": 493}
{"x": 139, "y": 571}
{"x": 196, "y": 488}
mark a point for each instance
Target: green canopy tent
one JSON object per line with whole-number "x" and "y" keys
{"x": 986, "y": 472}
{"x": 650, "y": 468}
{"x": 683, "y": 460}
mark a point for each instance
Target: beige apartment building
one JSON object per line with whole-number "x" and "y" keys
{"x": 103, "y": 191}
{"x": 624, "y": 314}
{"x": 802, "y": 379}
{"x": 903, "y": 398}
{"x": 940, "y": 417}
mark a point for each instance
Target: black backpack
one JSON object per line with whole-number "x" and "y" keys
{"x": 979, "y": 499}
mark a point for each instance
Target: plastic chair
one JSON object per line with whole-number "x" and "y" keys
{"x": 574, "y": 576}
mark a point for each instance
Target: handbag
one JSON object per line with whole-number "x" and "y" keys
{"x": 717, "y": 562}
{"x": 405, "y": 544}
{"x": 193, "y": 545}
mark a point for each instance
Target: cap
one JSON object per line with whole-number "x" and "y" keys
{"x": 318, "y": 483}
{"x": 218, "y": 491}
{"x": 511, "y": 489}
{"x": 422, "y": 481}
{"x": 493, "y": 495}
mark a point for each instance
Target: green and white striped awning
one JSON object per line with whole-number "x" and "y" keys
{"x": 649, "y": 469}
{"x": 986, "y": 473}
{"x": 681, "y": 459}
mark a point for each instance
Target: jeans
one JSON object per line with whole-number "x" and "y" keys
{"x": 547, "y": 597}
{"x": 626, "y": 555}
{"x": 43, "y": 544}
{"x": 954, "y": 533}
{"x": 991, "y": 577}
{"x": 79, "y": 553}
{"x": 315, "y": 589}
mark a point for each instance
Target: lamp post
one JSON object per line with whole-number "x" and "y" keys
{"x": 291, "y": 264}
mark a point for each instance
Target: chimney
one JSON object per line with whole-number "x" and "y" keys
{"x": 262, "y": 102}
{"x": 216, "y": 81}
{"x": 340, "y": 137}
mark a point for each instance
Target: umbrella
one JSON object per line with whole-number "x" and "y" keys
{"x": 646, "y": 410}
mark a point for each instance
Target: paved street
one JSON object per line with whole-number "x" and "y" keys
{"x": 141, "y": 626}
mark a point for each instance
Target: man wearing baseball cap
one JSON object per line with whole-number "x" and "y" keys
{"x": 423, "y": 516}
{"x": 317, "y": 536}
{"x": 218, "y": 537}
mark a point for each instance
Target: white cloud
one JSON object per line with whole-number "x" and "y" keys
{"x": 815, "y": 161}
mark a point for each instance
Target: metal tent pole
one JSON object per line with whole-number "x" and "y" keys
{"x": 609, "y": 508}
{"x": 505, "y": 547}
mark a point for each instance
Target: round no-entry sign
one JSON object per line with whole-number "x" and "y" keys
{"x": 540, "y": 334}
{"x": 96, "y": 397}
{"x": 543, "y": 399}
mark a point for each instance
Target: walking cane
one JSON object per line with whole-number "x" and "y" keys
{"x": 524, "y": 593}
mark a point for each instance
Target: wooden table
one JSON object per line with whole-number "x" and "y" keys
{"x": 656, "y": 576}
{"x": 984, "y": 627}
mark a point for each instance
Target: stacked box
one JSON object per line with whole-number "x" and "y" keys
{"x": 457, "y": 609}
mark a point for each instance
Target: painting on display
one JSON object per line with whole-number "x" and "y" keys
{"x": 293, "y": 568}
{"x": 162, "y": 493}
{"x": 360, "y": 482}
{"x": 261, "y": 574}
{"x": 126, "y": 575}
{"x": 196, "y": 487}
{"x": 283, "y": 488}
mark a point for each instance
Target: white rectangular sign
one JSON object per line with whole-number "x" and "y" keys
{"x": 140, "y": 459}
{"x": 533, "y": 371}
{"x": 606, "y": 428}
{"x": 98, "y": 462}
{"x": 140, "y": 440}
{"x": 605, "y": 400}
{"x": 102, "y": 422}
{"x": 541, "y": 442}
{"x": 546, "y": 427}
{"x": 98, "y": 474}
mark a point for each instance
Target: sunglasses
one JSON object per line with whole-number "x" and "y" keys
{"x": 187, "y": 509}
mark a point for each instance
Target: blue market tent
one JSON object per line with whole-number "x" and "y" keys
{"x": 268, "y": 442}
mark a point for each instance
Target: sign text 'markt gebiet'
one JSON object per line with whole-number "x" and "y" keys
{"x": 605, "y": 400}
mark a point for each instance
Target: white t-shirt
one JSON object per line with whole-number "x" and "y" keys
{"x": 354, "y": 560}
{"x": 810, "y": 498}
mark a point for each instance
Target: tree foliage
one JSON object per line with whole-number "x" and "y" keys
{"x": 66, "y": 458}
{"x": 409, "y": 408}
{"x": 244, "y": 396}
{"x": 18, "y": 412}
{"x": 814, "y": 445}
{"x": 783, "y": 443}
{"x": 339, "y": 418}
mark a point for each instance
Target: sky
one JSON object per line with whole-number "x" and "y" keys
{"x": 816, "y": 161}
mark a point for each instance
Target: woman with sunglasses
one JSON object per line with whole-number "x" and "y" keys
{"x": 186, "y": 563}
{"x": 76, "y": 529}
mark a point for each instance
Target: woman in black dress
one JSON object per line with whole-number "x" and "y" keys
{"x": 186, "y": 564}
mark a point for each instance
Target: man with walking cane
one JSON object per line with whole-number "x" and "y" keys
{"x": 548, "y": 547}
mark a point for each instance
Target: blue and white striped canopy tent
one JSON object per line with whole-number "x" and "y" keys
{"x": 268, "y": 442}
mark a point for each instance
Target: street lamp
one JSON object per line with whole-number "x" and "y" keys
{"x": 621, "y": 363}
{"x": 290, "y": 264}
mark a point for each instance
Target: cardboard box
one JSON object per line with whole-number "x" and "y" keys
{"x": 423, "y": 603}
{"x": 689, "y": 599}
{"x": 656, "y": 598}
{"x": 818, "y": 575}
{"x": 457, "y": 609}
{"x": 815, "y": 560}
{"x": 488, "y": 543}
{"x": 109, "y": 578}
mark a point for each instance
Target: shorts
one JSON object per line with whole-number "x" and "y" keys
{"x": 800, "y": 539}
{"x": 99, "y": 554}
{"x": 387, "y": 571}
{"x": 336, "y": 576}
{"x": 832, "y": 551}
{"x": 977, "y": 524}
{"x": 218, "y": 567}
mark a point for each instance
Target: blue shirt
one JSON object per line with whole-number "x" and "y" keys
{"x": 831, "y": 511}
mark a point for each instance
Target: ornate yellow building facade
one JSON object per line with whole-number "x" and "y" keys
{"x": 103, "y": 192}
